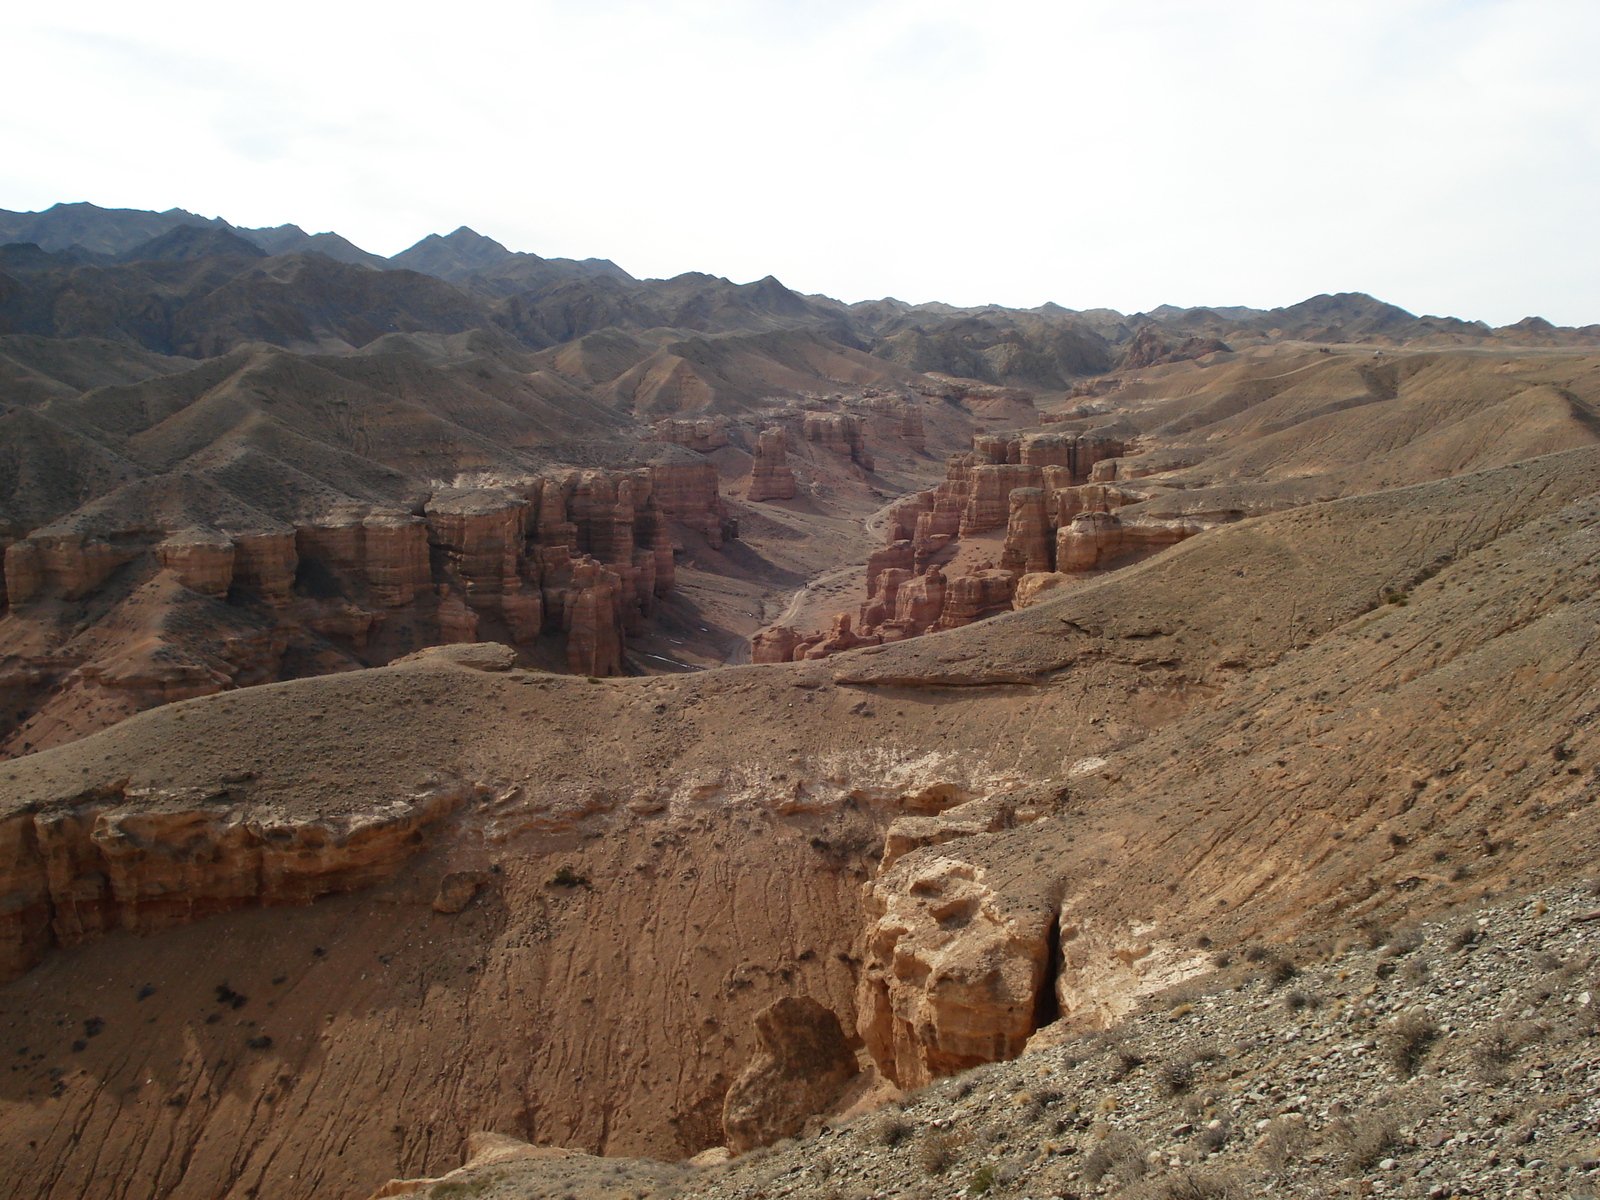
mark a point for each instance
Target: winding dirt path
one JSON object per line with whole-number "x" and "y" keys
{"x": 874, "y": 524}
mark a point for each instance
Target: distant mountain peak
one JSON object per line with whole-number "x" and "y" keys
{"x": 457, "y": 253}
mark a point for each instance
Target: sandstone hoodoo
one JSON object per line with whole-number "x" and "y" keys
{"x": 485, "y": 725}
{"x": 771, "y": 478}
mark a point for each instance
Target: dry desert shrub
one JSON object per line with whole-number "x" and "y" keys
{"x": 1212, "y": 1138}
{"x": 1196, "y": 1185}
{"x": 1403, "y": 942}
{"x": 1175, "y": 1076}
{"x": 1279, "y": 970}
{"x": 1495, "y": 1049}
{"x": 1365, "y": 1140}
{"x": 1124, "y": 1062}
{"x": 892, "y": 1129}
{"x": 939, "y": 1150}
{"x": 1281, "y": 1142}
{"x": 1118, "y": 1153}
{"x": 1408, "y": 1039}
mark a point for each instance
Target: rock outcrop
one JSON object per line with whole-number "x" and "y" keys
{"x": 701, "y": 435}
{"x": 142, "y": 861}
{"x": 952, "y": 969}
{"x": 771, "y": 478}
{"x": 1057, "y": 524}
{"x": 804, "y": 1060}
{"x": 774, "y": 644}
{"x": 840, "y": 433}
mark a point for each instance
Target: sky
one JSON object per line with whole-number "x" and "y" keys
{"x": 1443, "y": 155}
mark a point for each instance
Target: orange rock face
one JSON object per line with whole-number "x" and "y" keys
{"x": 771, "y": 478}
{"x": 702, "y": 436}
{"x": 112, "y": 862}
{"x": 988, "y": 500}
{"x": 774, "y": 644}
{"x": 1056, "y": 523}
{"x": 202, "y": 560}
{"x": 1027, "y": 533}
{"x": 952, "y": 970}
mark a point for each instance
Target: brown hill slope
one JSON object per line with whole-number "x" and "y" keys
{"x": 1213, "y": 731}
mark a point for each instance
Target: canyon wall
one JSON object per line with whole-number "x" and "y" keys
{"x": 1034, "y": 486}
{"x": 135, "y": 600}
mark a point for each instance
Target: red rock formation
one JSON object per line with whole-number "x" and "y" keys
{"x": 1033, "y": 588}
{"x": 952, "y": 970}
{"x": 24, "y": 572}
{"x": 202, "y": 559}
{"x": 898, "y": 554}
{"x": 774, "y": 644}
{"x": 803, "y": 1062}
{"x": 457, "y": 622}
{"x": 838, "y": 432}
{"x": 771, "y": 478}
{"x": 1028, "y": 541}
{"x": 702, "y": 436}
{"x": 145, "y": 861}
{"x": 920, "y": 600}
{"x": 839, "y": 637}
{"x": 911, "y": 427}
{"x": 395, "y": 557}
{"x": 687, "y": 492}
{"x": 1095, "y": 540}
{"x": 480, "y": 532}
{"x": 988, "y": 501}
{"x": 265, "y": 563}
{"x": 591, "y": 618}
{"x": 902, "y": 518}
{"x": 975, "y": 595}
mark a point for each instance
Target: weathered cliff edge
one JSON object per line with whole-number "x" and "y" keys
{"x": 143, "y": 860}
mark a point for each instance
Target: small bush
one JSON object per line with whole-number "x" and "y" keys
{"x": 1497, "y": 1046}
{"x": 1281, "y": 1143}
{"x": 1256, "y": 954}
{"x": 1279, "y": 971}
{"x": 939, "y": 1151}
{"x": 982, "y": 1180}
{"x": 1467, "y": 935}
{"x": 1211, "y": 1139}
{"x": 566, "y": 877}
{"x": 1119, "y": 1153}
{"x": 1403, "y": 943}
{"x": 1175, "y": 1077}
{"x": 1365, "y": 1140}
{"x": 1296, "y": 1000}
{"x": 892, "y": 1130}
{"x": 1196, "y": 1185}
{"x": 1124, "y": 1062}
{"x": 1408, "y": 1040}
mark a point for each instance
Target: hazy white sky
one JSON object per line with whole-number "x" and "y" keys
{"x": 1440, "y": 154}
